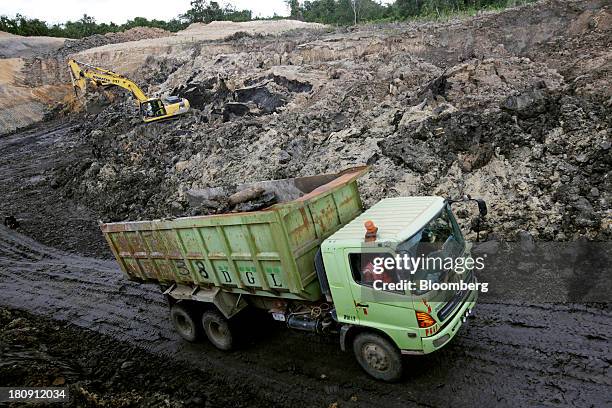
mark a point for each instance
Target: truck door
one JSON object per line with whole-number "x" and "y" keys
{"x": 388, "y": 310}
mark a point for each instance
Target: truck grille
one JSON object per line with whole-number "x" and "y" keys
{"x": 457, "y": 299}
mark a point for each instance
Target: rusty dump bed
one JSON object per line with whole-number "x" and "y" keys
{"x": 269, "y": 252}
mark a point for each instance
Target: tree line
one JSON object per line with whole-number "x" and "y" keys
{"x": 336, "y": 12}
{"x": 350, "y": 12}
{"x": 201, "y": 11}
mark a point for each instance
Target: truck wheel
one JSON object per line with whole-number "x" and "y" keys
{"x": 378, "y": 356}
{"x": 185, "y": 323}
{"x": 218, "y": 330}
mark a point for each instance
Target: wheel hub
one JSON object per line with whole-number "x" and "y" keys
{"x": 182, "y": 324}
{"x": 376, "y": 357}
{"x": 218, "y": 331}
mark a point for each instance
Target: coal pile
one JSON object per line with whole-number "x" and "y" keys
{"x": 220, "y": 201}
{"x": 259, "y": 96}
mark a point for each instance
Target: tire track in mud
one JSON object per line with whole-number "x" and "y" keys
{"x": 29, "y": 161}
{"x": 508, "y": 355}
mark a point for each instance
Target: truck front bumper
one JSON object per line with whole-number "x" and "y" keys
{"x": 433, "y": 343}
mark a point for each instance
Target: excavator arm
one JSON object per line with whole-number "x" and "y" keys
{"x": 81, "y": 72}
{"x": 152, "y": 109}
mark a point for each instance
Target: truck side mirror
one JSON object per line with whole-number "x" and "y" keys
{"x": 482, "y": 207}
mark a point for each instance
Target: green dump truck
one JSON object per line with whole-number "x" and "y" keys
{"x": 309, "y": 261}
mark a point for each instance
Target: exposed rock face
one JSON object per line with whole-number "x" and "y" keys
{"x": 16, "y": 46}
{"x": 34, "y": 78}
{"x": 500, "y": 106}
{"x": 98, "y": 40}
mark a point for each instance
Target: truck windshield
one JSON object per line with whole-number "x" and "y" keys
{"x": 438, "y": 244}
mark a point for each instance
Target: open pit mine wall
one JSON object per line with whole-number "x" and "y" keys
{"x": 25, "y": 93}
{"x": 34, "y": 79}
{"x": 512, "y": 33}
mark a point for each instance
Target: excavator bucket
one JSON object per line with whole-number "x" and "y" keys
{"x": 78, "y": 81}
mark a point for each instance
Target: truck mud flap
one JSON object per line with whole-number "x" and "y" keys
{"x": 228, "y": 303}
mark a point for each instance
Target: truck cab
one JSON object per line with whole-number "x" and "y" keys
{"x": 381, "y": 316}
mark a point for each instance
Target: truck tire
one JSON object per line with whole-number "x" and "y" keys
{"x": 185, "y": 322}
{"x": 378, "y": 357}
{"x": 218, "y": 330}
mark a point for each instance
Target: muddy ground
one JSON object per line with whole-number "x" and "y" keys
{"x": 100, "y": 371}
{"x": 29, "y": 160}
{"x": 508, "y": 355}
{"x": 514, "y": 107}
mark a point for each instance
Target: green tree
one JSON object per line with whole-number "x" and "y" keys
{"x": 203, "y": 11}
{"x": 407, "y": 8}
{"x": 295, "y": 10}
{"x": 344, "y": 12}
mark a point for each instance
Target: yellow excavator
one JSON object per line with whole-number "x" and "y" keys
{"x": 151, "y": 109}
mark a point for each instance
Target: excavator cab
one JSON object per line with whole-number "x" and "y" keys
{"x": 158, "y": 109}
{"x": 151, "y": 109}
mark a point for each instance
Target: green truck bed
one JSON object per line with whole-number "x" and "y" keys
{"x": 268, "y": 252}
